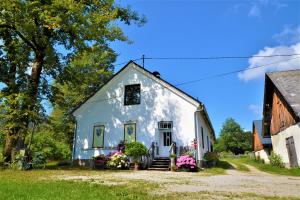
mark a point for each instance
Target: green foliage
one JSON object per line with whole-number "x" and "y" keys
{"x": 233, "y": 138}
{"x": 135, "y": 149}
{"x": 276, "y": 160}
{"x": 38, "y": 159}
{"x": 50, "y": 144}
{"x": 211, "y": 156}
{"x": 33, "y": 34}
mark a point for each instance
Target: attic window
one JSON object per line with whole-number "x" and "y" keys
{"x": 132, "y": 94}
{"x": 163, "y": 125}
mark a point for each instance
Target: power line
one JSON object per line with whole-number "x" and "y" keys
{"x": 205, "y": 58}
{"x": 204, "y": 78}
{"x": 218, "y": 57}
{"x": 233, "y": 72}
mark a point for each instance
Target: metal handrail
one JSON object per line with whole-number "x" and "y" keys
{"x": 172, "y": 149}
{"x": 151, "y": 153}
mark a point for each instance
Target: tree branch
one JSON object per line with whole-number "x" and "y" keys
{"x": 28, "y": 42}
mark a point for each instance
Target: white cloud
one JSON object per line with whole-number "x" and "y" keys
{"x": 272, "y": 63}
{"x": 289, "y": 35}
{"x": 256, "y": 8}
{"x": 254, "y": 11}
{"x": 256, "y": 109}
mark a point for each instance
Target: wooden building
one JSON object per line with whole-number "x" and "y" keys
{"x": 281, "y": 114}
{"x": 262, "y": 146}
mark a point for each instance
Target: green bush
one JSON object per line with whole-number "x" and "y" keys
{"x": 135, "y": 150}
{"x": 276, "y": 160}
{"x": 39, "y": 159}
{"x": 50, "y": 146}
{"x": 211, "y": 156}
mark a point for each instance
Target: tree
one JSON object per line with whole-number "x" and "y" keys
{"x": 32, "y": 31}
{"x": 233, "y": 138}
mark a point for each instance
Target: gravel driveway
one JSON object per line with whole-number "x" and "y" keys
{"x": 233, "y": 181}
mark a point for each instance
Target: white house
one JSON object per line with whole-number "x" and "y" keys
{"x": 137, "y": 105}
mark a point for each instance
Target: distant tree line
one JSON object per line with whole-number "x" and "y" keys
{"x": 233, "y": 138}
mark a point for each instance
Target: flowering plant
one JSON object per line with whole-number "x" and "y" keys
{"x": 187, "y": 163}
{"x": 118, "y": 160}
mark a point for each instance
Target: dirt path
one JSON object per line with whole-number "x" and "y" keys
{"x": 234, "y": 181}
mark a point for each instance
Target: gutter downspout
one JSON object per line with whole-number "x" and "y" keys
{"x": 198, "y": 153}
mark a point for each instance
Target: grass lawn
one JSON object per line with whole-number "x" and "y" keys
{"x": 263, "y": 167}
{"x": 237, "y": 164}
{"x": 39, "y": 184}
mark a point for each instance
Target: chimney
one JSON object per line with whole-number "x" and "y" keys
{"x": 156, "y": 73}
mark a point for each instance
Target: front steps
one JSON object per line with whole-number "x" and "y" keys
{"x": 160, "y": 164}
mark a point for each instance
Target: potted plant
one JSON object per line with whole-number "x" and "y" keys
{"x": 100, "y": 161}
{"x": 136, "y": 150}
{"x": 173, "y": 162}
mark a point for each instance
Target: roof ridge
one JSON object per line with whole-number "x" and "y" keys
{"x": 275, "y": 72}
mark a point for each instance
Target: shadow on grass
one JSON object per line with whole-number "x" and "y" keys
{"x": 224, "y": 165}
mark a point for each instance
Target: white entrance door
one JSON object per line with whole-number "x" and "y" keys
{"x": 165, "y": 143}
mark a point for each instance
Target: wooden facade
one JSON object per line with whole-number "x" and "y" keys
{"x": 257, "y": 143}
{"x": 282, "y": 117}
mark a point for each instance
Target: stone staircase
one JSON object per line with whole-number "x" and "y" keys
{"x": 160, "y": 164}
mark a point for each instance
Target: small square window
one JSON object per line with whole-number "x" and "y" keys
{"x": 132, "y": 94}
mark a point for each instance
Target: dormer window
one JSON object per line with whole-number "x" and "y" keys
{"x": 132, "y": 94}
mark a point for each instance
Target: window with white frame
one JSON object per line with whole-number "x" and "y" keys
{"x": 164, "y": 125}
{"x": 98, "y": 136}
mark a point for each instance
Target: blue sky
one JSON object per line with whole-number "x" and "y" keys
{"x": 216, "y": 28}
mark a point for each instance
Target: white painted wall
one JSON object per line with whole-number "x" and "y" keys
{"x": 158, "y": 103}
{"x": 206, "y": 133}
{"x": 262, "y": 154}
{"x": 279, "y": 142}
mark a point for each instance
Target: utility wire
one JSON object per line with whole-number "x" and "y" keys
{"x": 197, "y": 80}
{"x": 233, "y": 72}
{"x": 205, "y": 58}
{"x": 217, "y": 57}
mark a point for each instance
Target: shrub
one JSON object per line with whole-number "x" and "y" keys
{"x": 118, "y": 160}
{"x": 276, "y": 160}
{"x": 136, "y": 150}
{"x": 39, "y": 159}
{"x": 211, "y": 156}
{"x": 186, "y": 163}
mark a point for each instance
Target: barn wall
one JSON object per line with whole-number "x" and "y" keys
{"x": 257, "y": 144}
{"x": 279, "y": 142}
{"x": 262, "y": 154}
{"x": 281, "y": 115}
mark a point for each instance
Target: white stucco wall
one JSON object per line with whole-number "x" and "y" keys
{"x": 158, "y": 103}
{"x": 279, "y": 142}
{"x": 206, "y": 133}
{"x": 262, "y": 154}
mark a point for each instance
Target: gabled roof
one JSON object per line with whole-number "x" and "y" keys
{"x": 184, "y": 94}
{"x": 149, "y": 73}
{"x": 257, "y": 124}
{"x": 288, "y": 84}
